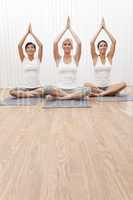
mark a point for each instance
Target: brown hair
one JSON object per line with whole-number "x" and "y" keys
{"x": 30, "y": 43}
{"x": 101, "y": 42}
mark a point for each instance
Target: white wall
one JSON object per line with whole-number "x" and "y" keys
{"x": 48, "y": 18}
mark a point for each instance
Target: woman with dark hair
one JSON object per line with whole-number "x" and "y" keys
{"x": 67, "y": 67}
{"x": 31, "y": 68}
{"x": 102, "y": 63}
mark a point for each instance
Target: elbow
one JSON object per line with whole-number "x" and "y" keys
{"x": 79, "y": 44}
{"x": 41, "y": 45}
{"x": 55, "y": 43}
{"x": 114, "y": 41}
{"x": 91, "y": 42}
{"x": 19, "y": 46}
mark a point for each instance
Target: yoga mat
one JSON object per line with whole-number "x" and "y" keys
{"x": 11, "y": 101}
{"x": 119, "y": 98}
{"x": 66, "y": 104}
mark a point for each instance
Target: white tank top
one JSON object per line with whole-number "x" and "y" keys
{"x": 102, "y": 72}
{"x": 67, "y": 74}
{"x": 31, "y": 71}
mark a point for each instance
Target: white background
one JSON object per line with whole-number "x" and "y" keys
{"x": 48, "y": 18}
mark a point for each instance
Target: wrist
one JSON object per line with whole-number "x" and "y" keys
{"x": 101, "y": 28}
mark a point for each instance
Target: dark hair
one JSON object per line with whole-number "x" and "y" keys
{"x": 30, "y": 43}
{"x": 101, "y": 42}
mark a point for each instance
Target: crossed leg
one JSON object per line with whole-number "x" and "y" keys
{"x": 111, "y": 90}
{"x": 114, "y": 89}
{"x": 94, "y": 89}
{"x": 59, "y": 94}
{"x": 18, "y": 93}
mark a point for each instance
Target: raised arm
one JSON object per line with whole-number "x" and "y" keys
{"x": 78, "y": 42}
{"x": 20, "y": 45}
{"x": 57, "y": 56}
{"x": 40, "y": 45}
{"x": 113, "y": 42}
{"x": 92, "y": 44}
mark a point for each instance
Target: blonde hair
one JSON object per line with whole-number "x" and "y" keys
{"x": 68, "y": 40}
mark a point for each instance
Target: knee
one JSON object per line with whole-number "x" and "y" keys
{"x": 55, "y": 92}
{"x": 86, "y": 84}
{"x": 90, "y": 85}
{"x": 12, "y": 92}
{"x": 124, "y": 84}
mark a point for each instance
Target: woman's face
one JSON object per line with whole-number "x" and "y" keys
{"x": 102, "y": 48}
{"x": 67, "y": 46}
{"x": 30, "y": 50}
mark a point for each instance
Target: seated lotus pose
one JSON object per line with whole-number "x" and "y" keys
{"x": 67, "y": 66}
{"x": 31, "y": 68}
{"x": 102, "y": 66}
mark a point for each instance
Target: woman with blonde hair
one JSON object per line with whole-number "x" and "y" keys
{"x": 67, "y": 67}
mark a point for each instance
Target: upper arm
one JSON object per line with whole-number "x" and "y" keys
{"x": 112, "y": 50}
{"x": 56, "y": 52}
{"x": 40, "y": 52}
{"x": 21, "y": 53}
{"x": 78, "y": 53}
{"x": 93, "y": 52}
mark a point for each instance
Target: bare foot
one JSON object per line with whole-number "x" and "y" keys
{"x": 94, "y": 94}
{"x": 87, "y": 98}
{"x": 96, "y": 90}
{"x": 30, "y": 94}
{"x": 50, "y": 97}
{"x": 100, "y": 95}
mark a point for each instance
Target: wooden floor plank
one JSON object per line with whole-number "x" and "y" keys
{"x": 67, "y": 154}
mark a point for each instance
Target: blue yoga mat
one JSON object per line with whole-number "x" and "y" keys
{"x": 11, "y": 101}
{"x": 119, "y": 98}
{"x": 66, "y": 104}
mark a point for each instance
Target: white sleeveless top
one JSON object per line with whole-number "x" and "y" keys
{"x": 67, "y": 74}
{"x": 31, "y": 71}
{"x": 102, "y": 72}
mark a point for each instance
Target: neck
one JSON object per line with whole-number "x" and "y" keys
{"x": 31, "y": 57}
{"x": 67, "y": 55}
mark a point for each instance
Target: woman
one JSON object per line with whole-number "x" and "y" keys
{"x": 31, "y": 68}
{"x": 102, "y": 66}
{"x": 67, "y": 66}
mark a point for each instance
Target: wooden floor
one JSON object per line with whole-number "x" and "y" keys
{"x": 67, "y": 154}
